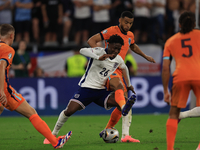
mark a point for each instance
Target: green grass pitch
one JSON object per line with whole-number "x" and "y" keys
{"x": 17, "y": 133}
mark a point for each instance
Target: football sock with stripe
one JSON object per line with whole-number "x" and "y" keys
{"x": 171, "y": 126}
{"x": 114, "y": 118}
{"x": 119, "y": 98}
{"x": 60, "y": 122}
{"x": 43, "y": 128}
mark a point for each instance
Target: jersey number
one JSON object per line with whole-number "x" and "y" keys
{"x": 104, "y": 72}
{"x": 188, "y": 46}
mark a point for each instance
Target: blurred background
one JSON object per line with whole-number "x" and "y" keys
{"x": 47, "y": 65}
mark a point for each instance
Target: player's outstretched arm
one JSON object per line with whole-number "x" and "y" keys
{"x": 94, "y": 40}
{"x": 93, "y": 53}
{"x": 3, "y": 65}
{"x": 165, "y": 79}
{"x": 89, "y": 52}
{"x": 135, "y": 48}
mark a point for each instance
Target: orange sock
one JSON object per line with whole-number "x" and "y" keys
{"x": 114, "y": 118}
{"x": 43, "y": 128}
{"x": 119, "y": 97}
{"x": 171, "y": 126}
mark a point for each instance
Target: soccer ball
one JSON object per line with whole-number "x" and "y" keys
{"x": 110, "y": 135}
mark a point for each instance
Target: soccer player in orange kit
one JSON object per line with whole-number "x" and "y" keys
{"x": 14, "y": 101}
{"x": 184, "y": 48}
{"x": 125, "y": 23}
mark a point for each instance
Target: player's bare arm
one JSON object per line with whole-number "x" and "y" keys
{"x": 135, "y": 48}
{"x": 165, "y": 80}
{"x": 3, "y": 65}
{"x": 94, "y": 40}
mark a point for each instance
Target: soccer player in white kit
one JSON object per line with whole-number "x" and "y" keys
{"x": 103, "y": 62}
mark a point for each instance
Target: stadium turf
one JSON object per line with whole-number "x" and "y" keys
{"x": 17, "y": 133}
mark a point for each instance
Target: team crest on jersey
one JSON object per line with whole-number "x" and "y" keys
{"x": 76, "y": 95}
{"x": 105, "y": 31}
{"x": 114, "y": 74}
{"x": 10, "y": 55}
{"x": 115, "y": 65}
{"x": 129, "y": 41}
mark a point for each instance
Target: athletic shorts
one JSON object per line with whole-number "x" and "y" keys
{"x": 13, "y": 100}
{"x": 85, "y": 96}
{"x": 116, "y": 74}
{"x": 181, "y": 90}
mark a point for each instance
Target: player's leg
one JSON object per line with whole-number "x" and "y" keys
{"x": 77, "y": 102}
{"x": 195, "y": 112}
{"x": 180, "y": 92}
{"x": 196, "y": 89}
{"x": 64, "y": 115}
{"x": 116, "y": 115}
{"x": 114, "y": 118}
{"x": 171, "y": 126}
{"x": 115, "y": 82}
{"x": 26, "y": 110}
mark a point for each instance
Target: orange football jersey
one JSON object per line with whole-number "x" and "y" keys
{"x": 7, "y": 53}
{"x": 127, "y": 37}
{"x": 185, "y": 49}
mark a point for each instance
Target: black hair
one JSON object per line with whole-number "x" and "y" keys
{"x": 5, "y": 29}
{"x": 187, "y": 22}
{"x": 127, "y": 14}
{"x": 116, "y": 39}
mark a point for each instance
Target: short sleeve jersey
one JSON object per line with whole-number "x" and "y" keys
{"x": 97, "y": 71}
{"x": 6, "y": 53}
{"x": 185, "y": 49}
{"x": 127, "y": 37}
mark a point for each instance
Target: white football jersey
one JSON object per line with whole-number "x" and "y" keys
{"x": 97, "y": 71}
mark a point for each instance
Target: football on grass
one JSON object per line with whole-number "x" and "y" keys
{"x": 110, "y": 135}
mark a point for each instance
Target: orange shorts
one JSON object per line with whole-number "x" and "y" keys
{"x": 116, "y": 74}
{"x": 181, "y": 90}
{"x": 13, "y": 100}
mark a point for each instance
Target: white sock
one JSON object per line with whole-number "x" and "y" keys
{"x": 126, "y": 123}
{"x": 195, "y": 112}
{"x": 60, "y": 122}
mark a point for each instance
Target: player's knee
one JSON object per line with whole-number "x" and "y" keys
{"x": 116, "y": 86}
{"x": 69, "y": 112}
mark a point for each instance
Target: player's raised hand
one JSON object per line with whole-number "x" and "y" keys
{"x": 104, "y": 56}
{"x": 3, "y": 98}
{"x": 131, "y": 88}
{"x": 149, "y": 58}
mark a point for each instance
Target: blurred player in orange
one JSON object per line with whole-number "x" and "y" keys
{"x": 184, "y": 48}
{"x": 116, "y": 79}
{"x": 12, "y": 100}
